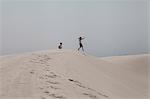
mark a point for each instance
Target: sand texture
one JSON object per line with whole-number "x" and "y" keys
{"x": 68, "y": 74}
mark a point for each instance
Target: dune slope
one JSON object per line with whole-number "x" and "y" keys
{"x": 67, "y": 74}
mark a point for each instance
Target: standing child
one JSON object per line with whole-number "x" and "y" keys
{"x": 80, "y": 43}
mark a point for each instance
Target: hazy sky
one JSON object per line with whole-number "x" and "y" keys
{"x": 111, "y": 27}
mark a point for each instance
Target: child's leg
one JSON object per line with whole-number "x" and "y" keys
{"x": 79, "y": 48}
{"x": 82, "y": 48}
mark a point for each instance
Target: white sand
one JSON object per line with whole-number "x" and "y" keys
{"x": 66, "y": 74}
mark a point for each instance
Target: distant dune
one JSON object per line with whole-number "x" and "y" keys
{"x": 67, "y": 74}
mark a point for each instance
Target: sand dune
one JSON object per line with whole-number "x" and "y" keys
{"x": 67, "y": 74}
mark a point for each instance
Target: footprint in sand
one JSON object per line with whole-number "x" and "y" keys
{"x": 52, "y": 82}
{"x": 32, "y": 71}
{"x": 46, "y": 92}
{"x": 40, "y": 59}
{"x": 90, "y": 95}
{"x": 79, "y": 84}
{"x": 50, "y": 75}
{"x": 41, "y": 88}
{"x": 53, "y": 95}
{"x": 54, "y": 87}
{"x": 57, "y": 96}
{"x": 98, "y": 93}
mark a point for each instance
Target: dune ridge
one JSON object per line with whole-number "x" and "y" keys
{"x": 68, "y": 74}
